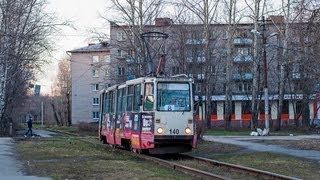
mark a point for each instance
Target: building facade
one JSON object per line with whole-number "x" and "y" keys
{"x": 89, "y": 74}
{"x": 206, "y": 57}
{"x": 224, "y": 51}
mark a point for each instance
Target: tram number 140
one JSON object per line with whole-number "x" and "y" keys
{"x": 174, "y": 131}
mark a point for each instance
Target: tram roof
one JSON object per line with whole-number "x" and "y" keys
{"x": 149, "y": 79}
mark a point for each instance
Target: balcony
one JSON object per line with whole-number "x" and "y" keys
{"x": 243, "y": 77}
{"x": 189, "y": 59}
{"x": 195, "y": 41}
{"x": 200, "y": 76}
{"x": 242, "y": 41}
{"x": 239, "y": 58}
{"x": 199, "y": 59}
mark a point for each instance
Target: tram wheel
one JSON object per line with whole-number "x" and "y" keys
{"x": 137, "y": 151}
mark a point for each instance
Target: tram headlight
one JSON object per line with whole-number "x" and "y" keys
{"x": 187, "y": 130}
{"x": 160, "y": 130}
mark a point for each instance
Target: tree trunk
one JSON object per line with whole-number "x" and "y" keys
{"x": 56, "y": 117}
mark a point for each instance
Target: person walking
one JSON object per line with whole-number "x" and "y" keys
{"x": 29, "y": 122}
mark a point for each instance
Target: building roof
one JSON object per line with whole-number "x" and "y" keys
{"x": 99, "y": 47}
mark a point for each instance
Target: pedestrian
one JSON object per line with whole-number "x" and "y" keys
{"x": 29, "y": 122}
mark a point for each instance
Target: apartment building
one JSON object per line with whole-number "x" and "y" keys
{"x": 188, "y": 51}
{"x": 90, "y": 70}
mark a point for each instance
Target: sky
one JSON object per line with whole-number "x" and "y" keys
{"x": 84, "y": 14}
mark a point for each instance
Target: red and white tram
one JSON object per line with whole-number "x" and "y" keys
{"x": 149, "y": 114}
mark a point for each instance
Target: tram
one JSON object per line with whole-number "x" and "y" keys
{"x": 149, "y": 115}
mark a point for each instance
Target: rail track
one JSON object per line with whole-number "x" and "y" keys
{"x": 230, "y": 171}
{"x": 198, "y": 166}
{"x": 213, "y": 169}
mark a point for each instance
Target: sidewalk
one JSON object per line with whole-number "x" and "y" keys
{"x": 10, "y": 167}
{"x": 243, "y": 141}
{"x": 37, "y": 132}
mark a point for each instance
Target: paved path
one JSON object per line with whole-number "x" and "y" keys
{"x": 10, "y": 167}
{"x": 243, "y": 141}
{"x": 41, "y": 133}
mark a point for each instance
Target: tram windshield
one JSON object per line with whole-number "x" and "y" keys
{"x": 173, "y": 96}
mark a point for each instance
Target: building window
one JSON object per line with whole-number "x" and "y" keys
{"x": 121, "y": 71}
{"x": 95, "y": 73}
{"x": 246, "y": 107}
{"x": 247, "y": 86}
{"x": 119, "y": 52}
{"x": 95, "y": 115}
{"x": 175, "y": 70}
{"x": 296, "y": 71}
{"x": 243, "y": 51}
{"x": 95, "y": 59}
{"x": 106, "y": 72}
{"x": 244, "y": 87}
{"x": 212, "y": 69}
{"x": 107, "y": 58}
{"x": 95, "y": 101}
{"x": 95, "y": 87}
{"x": 200, "y": 76}
{"x": 225, "y": 34}
{"x": 198, "y": 88}
{"x": 120, "y": 36}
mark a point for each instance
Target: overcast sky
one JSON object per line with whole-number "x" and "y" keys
{"x": 84, "y": 14}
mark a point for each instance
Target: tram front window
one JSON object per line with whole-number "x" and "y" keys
{"x": 173, "y": 97}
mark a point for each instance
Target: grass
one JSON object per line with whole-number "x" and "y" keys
{"x": 277, "y": 163}
{"x": 246, "y": 132}
{"x": 63, "y": 158}
{"x": 221, "y": 132}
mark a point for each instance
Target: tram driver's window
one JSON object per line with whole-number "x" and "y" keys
{"x": 148, "y": 97}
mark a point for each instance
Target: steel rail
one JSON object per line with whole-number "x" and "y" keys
{"x": 168, "y": 164}
{"x": 182, "y": 168}
{"x": 256, "y": 172}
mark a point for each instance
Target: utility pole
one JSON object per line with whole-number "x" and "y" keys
{"x": 41, "y": 113}
{"x": 265, "y": 69}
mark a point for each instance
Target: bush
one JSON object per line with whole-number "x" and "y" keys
{"x": 88, "y": 127}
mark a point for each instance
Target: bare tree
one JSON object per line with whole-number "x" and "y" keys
{"x": 206, "y": 12}
{"x": 61, "y": 93}
{"x": 306, "y": 33}
{"x": 24, "y": 30}
{"x": 132, "y": 17}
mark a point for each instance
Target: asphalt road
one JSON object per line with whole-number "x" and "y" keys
{"x": 244, "y": 141}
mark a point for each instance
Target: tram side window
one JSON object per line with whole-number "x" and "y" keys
{"x": 119, "y": 100}
{"x": 130, "y": 98}
{"x": 124, "y": 100}
{"x": 105, "y": 103}
{"x": 137, "y": 97}
{"x": 148, "y": 97}
{"x": 109, "y": 102}
{"x": 112, "y": 100}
